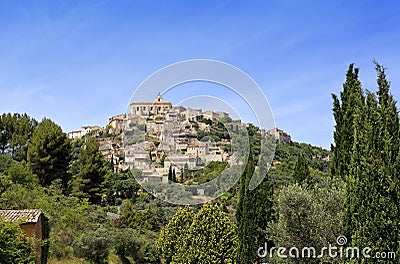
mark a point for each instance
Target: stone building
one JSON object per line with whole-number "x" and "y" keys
{"x": 157, "y": 108}
{"x": 32, "y": 223}
{"x": 280, "y": 135}
{"x": 83, "y": 131}
{"x": 180, "y": 161}
{"x": 117, "y": 123}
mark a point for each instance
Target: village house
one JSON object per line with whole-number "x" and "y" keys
{"x": 190, "y": 112}
{"x": 112, "y": 150}
{"x": 216, "y": 115}
{"x": 179, "y": 161}
{"x": 280, "y": 135}
{"x": 83, "y": 131}
{"x": 32, "y": 223}
{"x": 117, "y": 123}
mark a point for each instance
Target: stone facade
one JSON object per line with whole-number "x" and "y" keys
{"x": 83, "y": 131}
{"x": 117, "y": 123}
{"x": 280, "y": 135}
{"x": 157, "y": 108}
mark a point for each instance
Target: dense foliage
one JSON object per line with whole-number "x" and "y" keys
{"x": 206, "y": 237}
{"x": 307, "y": 218}
{"x": 371, "y": 165}
{"x": 91, "y": 172}
{"x": 301, "y": 174}
{"x": 48, "y": 153}
{"x": 14, "y": 247}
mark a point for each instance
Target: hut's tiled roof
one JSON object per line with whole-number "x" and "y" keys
{"x": 29, "y": 216}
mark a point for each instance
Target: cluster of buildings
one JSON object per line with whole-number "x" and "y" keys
{"x": 167, "y": 136}
{"x": 157, "y": 135}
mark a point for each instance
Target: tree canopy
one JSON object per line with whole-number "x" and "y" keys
{"x": 49, "y": 153}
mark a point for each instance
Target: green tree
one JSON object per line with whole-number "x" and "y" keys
{"x": 170, "y": 175}
{"x": 19, "y": 172}
{"x": 89, "y": 181}
{"x": 128, "y": 243}
{"x": 49, "y": 153}
{"x": 15, "y": 133}
{"x": 371, "y": 213}
{"x": 247, "y": 228}
{"x": 301, "y": 173}
{"x": 23, "y": 130}
{"x": 307, "y": 218}
{"x": 6, "y": 131}
{"x": 174, "y": 176}
{"x": 211, "y": 238}
{"x": 121, "y": 186}
{"x": 351, "y": 99}
{"x": 132, "y": 245}
{"x": 15, "y": 248}
{"x": 185, "y": 173}
{"x": 172, "y": 235}
{"x": 254, "y": 212}
{"x": 94, "y": 246}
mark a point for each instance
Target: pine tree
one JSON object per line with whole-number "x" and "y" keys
{"x": 88, "y": 183}
{"x": 49, "y": 153}
{"x": 15, "y": 133}
{"x": 185, "y": 172}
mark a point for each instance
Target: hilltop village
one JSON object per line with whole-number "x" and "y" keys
{"x": 156, "y": 137}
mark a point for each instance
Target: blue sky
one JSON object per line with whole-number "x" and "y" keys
{"x": 78, "y": 62}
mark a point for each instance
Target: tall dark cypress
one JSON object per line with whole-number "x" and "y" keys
{"x": 388, "y": 166}
{"x": 371, "y": 217}
{"x": 344, "y": 111}
{"x": 253, "y": 214}
{"x": 247, "y": 249}
{"x": 170, "y": 176}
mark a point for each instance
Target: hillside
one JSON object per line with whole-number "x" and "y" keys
{"x": 79, "y": 209}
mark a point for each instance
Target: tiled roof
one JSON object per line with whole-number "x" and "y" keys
{"x": 29, "y": 216}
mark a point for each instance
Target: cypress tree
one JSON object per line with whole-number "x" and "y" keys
{"x": 344, "y": 110}
{"x": 170, "y": 173}
{"x": 254, "y": 212}
{"x": 301, "y": 173}
{"x": 174, "y": 176}
{"x": 371, "y": 217}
